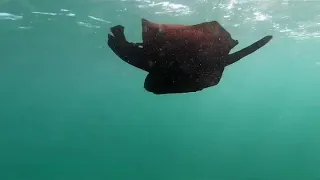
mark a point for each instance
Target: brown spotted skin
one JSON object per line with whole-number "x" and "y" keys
{"x": 209, "y": 37}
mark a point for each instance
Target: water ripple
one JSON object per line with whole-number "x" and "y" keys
{"x": 282, "y": 17}
{"x": 8, "y": 16}
{"x": 98, "y": 19}
{"x": 88, "y": 25}
{"x": 45, "y": 13}
{"x": 166, "y": 7}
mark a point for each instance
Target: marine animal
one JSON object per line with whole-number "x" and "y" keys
{"x": 180, "y": 58}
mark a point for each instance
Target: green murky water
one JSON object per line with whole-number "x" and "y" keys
{"x": 72, "y": 110}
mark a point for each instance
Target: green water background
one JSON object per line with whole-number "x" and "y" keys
{"x": 71, "y": 109}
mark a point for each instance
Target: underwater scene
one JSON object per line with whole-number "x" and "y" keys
{"x": 159, "y": 90}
